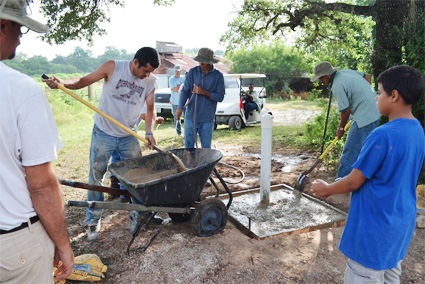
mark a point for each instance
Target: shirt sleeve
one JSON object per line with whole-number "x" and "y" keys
{"x": 372, "y": 155}
{"x": 341, "y": 96}
{"x": 172, "y": 82}
{"x": 187, "y": 89}
{"x": 218, "y": 95}
{"x": 38, "y": 132}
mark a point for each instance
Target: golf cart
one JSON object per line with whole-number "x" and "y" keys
{"x": 231, "y": 111}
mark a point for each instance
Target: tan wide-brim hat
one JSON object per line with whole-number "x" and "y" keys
{"x": 15, "y": 10}
{"x": 322, "y": 69}
{"x": 206, "y": 55}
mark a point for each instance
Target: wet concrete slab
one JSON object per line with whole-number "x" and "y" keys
{"x": 287, "y": 213}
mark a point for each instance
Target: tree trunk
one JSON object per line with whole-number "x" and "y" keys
{"x": 389, "y": 29}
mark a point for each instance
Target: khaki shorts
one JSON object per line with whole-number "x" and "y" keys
{"x": 26, "y": 256}
{"x": 356, "y": 273}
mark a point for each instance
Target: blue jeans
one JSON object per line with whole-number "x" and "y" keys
{"x": 101, "y": 149}
{"x": 353, "y": 145}
{"x": 115, "y": 158}
{"x": 248, "y": 107}
{"x": 204, "y": 129}
{"x": 177, "y": 123}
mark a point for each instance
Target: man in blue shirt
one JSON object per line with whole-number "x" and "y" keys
{"x": 175, "y": 82}
{"x": 356, "y": 100}
{"x": 203, "y": 88}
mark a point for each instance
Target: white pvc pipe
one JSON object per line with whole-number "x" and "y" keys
{"x": 266, "y": 157}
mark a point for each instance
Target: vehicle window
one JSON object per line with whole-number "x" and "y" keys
{"x": 256, "y": 81}
{"x": 231, "y": 83}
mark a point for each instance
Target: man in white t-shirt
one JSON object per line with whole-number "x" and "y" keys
{"x": 33, "y": 234}
{"x": 128, "y": 86}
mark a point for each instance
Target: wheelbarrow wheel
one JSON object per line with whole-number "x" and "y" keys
{"x": 210, "y": 217}
{"x": 179, "y": 217}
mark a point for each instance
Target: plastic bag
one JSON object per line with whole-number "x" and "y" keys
{"x": 420, "y": 192}
{"x": 88, "y": 267}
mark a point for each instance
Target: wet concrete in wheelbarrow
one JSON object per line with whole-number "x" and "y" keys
{"x": 286, "y": 213}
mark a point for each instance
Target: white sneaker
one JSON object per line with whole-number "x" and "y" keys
{"x": 93, "y": 233}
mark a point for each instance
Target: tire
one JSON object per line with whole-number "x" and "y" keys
{"x": 210, "y": 217}
{"x": 235, "y": 122}
{"x": 179, "y": 217}
{"x": 215, "y": 126}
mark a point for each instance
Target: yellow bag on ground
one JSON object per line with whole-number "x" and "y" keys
{"x": 420, "y": 192}
{"x": 88, "y": 267}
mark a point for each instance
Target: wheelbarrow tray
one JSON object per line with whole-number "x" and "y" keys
{"x": 176, "y": 189}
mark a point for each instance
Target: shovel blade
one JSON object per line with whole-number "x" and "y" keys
{"x": 302, "y": 181}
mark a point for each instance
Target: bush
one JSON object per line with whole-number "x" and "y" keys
{"x": 314, "y": 134}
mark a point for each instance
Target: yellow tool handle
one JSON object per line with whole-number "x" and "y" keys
{"x": 334, "y": 141}
{"x": 117, "y": 123}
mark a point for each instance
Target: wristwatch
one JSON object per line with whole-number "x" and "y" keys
{"x": 341, "y": 128}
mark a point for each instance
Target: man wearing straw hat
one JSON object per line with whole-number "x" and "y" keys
{"x": 33, "y": 234}
{"x": 356, "y": 100}
{"x": 203, "y": 88}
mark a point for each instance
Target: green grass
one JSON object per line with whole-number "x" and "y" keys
{"x": 249, "y": 136}
{"x": 75, "y": 123}
{"x": 298, "y": 104}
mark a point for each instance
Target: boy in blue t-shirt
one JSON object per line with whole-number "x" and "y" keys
{"x": 382, "y": 214}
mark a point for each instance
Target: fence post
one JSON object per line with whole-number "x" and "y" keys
{"x": 89, "y": 94}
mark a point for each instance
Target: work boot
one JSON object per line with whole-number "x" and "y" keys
{"x": 115, "y": 183}
{"x": 93, "y": 233}
{"x": 125, "y": 199}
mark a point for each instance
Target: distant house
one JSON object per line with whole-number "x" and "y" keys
{"x": 171, "y": 55}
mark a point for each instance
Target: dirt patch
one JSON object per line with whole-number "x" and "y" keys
{"x": 177, "y": 255}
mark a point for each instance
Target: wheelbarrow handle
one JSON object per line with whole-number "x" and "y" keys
{"x": 94, "y": 187}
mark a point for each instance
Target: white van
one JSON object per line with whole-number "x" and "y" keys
{"x": 230, "y": 111}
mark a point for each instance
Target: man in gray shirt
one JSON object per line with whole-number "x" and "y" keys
{"x": 356, "y": 100}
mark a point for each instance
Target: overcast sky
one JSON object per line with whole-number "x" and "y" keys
{"x": 189, "y": 23}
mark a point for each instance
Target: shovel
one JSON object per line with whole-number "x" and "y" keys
{"x": 302, "y": 179}
{"x": 179, "y": 164}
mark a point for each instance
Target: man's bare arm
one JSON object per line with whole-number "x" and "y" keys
{"x": 47, "y": 199}
{"x": 104, "y": 71}
{"x": 150, "y": 115}
{"x": 368, "y": 78}
{"x": 345, "y": 115}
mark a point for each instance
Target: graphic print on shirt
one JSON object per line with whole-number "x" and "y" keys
{"x": 133, "y": 89}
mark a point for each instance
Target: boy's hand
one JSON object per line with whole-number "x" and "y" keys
{"x": 320, "y": 188}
